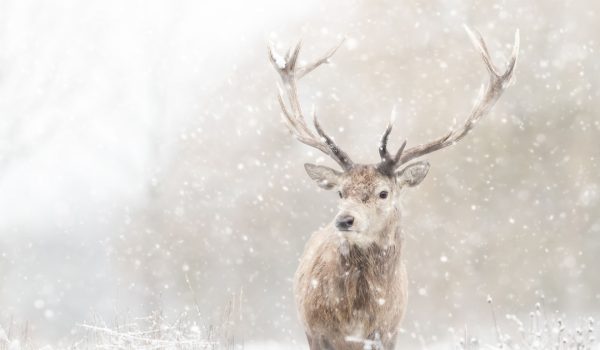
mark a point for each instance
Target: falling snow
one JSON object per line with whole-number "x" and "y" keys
{"x": 151, "y": 195}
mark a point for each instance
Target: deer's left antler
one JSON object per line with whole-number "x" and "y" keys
{"x": 496, "y": 86}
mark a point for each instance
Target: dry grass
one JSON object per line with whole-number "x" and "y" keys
{"x": 154, "y": 332}
{"x": 186, "y": 332}
{"x": 541, "y": 331}
{"x": 15, "y": 337}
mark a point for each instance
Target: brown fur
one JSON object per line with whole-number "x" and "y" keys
{"x": 344, "y": 289}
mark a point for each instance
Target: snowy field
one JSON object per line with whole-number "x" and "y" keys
{"x": 542, "y": 330}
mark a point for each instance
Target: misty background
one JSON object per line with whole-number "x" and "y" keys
{"x": 144, "y": 164}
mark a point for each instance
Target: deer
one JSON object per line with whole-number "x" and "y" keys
{"x": 350, "y": 287}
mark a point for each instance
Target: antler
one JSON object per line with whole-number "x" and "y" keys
{"x": 290, "y": 73}
{"x": 495, "y": 88}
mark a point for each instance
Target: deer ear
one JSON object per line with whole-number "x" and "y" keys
{"x": 325, "y": 177}
{"x": 412, "y": 174}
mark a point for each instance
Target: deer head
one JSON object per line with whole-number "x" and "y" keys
{"x": 369, "y": 192}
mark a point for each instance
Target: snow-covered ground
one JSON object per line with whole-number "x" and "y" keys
{"x": 542, "y": 330}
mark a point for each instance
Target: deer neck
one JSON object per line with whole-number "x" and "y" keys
{"x": 392, "y": 232}
{"x": 378, "y": 258}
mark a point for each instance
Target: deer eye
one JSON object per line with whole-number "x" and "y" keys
{"x": 340, "y": 194}
{"x": 383, "y": 194}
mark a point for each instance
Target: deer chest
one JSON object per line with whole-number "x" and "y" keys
{"x": 354, "y": 297}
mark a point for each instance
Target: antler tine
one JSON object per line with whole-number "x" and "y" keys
{"x": 400, "y": 151}
{"x": 479, "y": 43}
{"x": 383, "y": 152}
{"x": 290, "y": 73}
{"x": 302, "y": 71}
{"x": 513, "y": 57}
{"x": 496, "y": 86}
{"x": 388, "y": 162}
{"x": 292, "y": 56}
{"x": 334, "y": 148}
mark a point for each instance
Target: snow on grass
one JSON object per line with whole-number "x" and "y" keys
{"x": 541, "y": 330}
{"x": 156, "y": 332}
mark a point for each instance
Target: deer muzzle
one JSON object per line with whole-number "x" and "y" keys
{"x": 344, "y": 222}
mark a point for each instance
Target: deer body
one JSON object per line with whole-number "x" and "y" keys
{"x": 346, "y": 290}
{"x": 351, "y": 285}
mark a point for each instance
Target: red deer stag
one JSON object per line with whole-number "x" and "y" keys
{"x": 351, "y": 285}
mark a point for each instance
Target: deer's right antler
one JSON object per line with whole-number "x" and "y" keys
{"x": 498, "y": 82}
{"x": 290, "y": 73}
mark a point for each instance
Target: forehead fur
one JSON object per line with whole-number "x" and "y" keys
{"x": 363, "y": 179}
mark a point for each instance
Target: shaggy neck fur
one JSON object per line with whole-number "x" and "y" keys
{"x": 371, "y": 265}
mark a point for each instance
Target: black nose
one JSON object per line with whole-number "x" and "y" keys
{"x": 344, "y": 222}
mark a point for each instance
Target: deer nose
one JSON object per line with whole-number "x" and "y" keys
{"x": 344, "y": 222}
